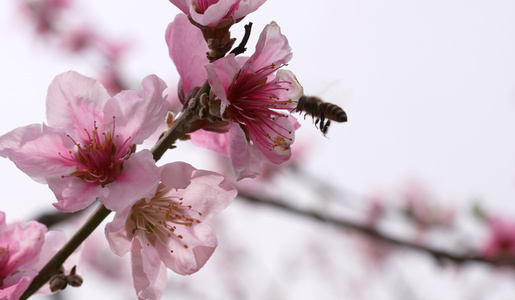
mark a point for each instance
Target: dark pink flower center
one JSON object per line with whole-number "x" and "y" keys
{"x": 158, "y": 219}
{"x": 254, "y": 104}
{"x": 100, "y": 159}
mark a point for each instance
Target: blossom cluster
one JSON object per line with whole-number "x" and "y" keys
{"x": 87, "y": 150}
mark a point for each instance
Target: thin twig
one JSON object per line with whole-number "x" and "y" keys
{"x": 241, "y": 47}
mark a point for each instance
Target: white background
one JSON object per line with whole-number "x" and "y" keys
{"x": 428, "y": 87}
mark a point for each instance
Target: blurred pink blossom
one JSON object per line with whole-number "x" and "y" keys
{"x": 501, "y": 241}
{"x": 168, "y": 230}
{"x": 77, "y": 39}
{"x": 43, "y": 13}
{"x": 24, "y": 249}
{"x": 375, "y": 251}
{"x": 212, "y": 12}
{"x": 98, "y": 257}
{"x": 111, "y": 79}
{"x": 90, "y": 143}
{"x": 424, "y": 212}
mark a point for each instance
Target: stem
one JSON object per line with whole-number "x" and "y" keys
{"x": 56, "y": 262}
{"x": 178, "y": 129}
{"x": 180, "y": 125}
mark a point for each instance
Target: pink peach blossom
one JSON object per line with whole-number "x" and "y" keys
{"x": 168, "y": 229}
{"x": 88, "y": 149}
{"x": 24, "y": 249}
{"x": 252, "y": 92}
{"x": 256, "y": 97}
{"x": 211, "y": 12}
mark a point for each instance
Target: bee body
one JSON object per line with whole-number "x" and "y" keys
{"x": 323, "y": 112}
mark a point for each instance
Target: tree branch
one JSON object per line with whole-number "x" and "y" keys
{"x": 440, "y": 255}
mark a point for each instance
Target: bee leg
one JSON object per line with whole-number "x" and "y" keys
{"x": 326, "y": 127}
{"x": 322, "y": 121}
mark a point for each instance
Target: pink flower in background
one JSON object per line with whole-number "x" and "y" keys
{"x": 90, "y": 142}
{"x": 211, "y": 12}
{"x": 24, "y": 249}
{"x": 97, "y": 257}
{"x": 501, "y": 242}
{"x": 43, "y": 13}
{"x": 168, "y": 230}
{"x": 19, "y": 249}
{"x": 423, "y": 211}
{"x": 253, "y": 92}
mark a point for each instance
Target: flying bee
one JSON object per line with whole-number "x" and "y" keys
{"x": 321, "y": 110}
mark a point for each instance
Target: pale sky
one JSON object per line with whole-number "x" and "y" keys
{"x": 428, "y": 87}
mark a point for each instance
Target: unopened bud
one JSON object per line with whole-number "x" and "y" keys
{"x": 74, "y": 280}
{"x": 58, "y": 282}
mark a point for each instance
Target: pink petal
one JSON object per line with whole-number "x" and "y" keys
{"x": 117, "y": 235}
{"x": 247, "y": 7}
{"x": 239, "y": 149}
{"x": 177, "y": 175}
{"x": 283, "y": 130}
{"x": 74, "y": 102}
{"x": 138, "y": 180}
{"x": 148, "y": 272}
{"x": 187, "y": 49}
{"x": 215, "y": 13}
{"x": 35, "y": 150}
{"x": 220, "y": 74}
{"x": 271, "y": 48}
{"x": 294, "y": 90}
{"x": 217, "y": 142}
{"x": 252, "y": 167}
{"x": 138, "y": 116}
{"x": 14, "y": 291}
{"x": 183, "y": 260}
{"x": 208, "y": 193}
{"x": 54, "y": 240}
{"x": 24, "y": 244}
{"x": 74, "y": 194}
{"x": 30, "y": 239}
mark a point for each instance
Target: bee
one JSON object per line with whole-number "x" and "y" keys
{"x": 324, "y": 112}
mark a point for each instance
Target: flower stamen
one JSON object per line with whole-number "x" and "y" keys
{"x": 100, "y": 159}
{"x": 159, "y": 218}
